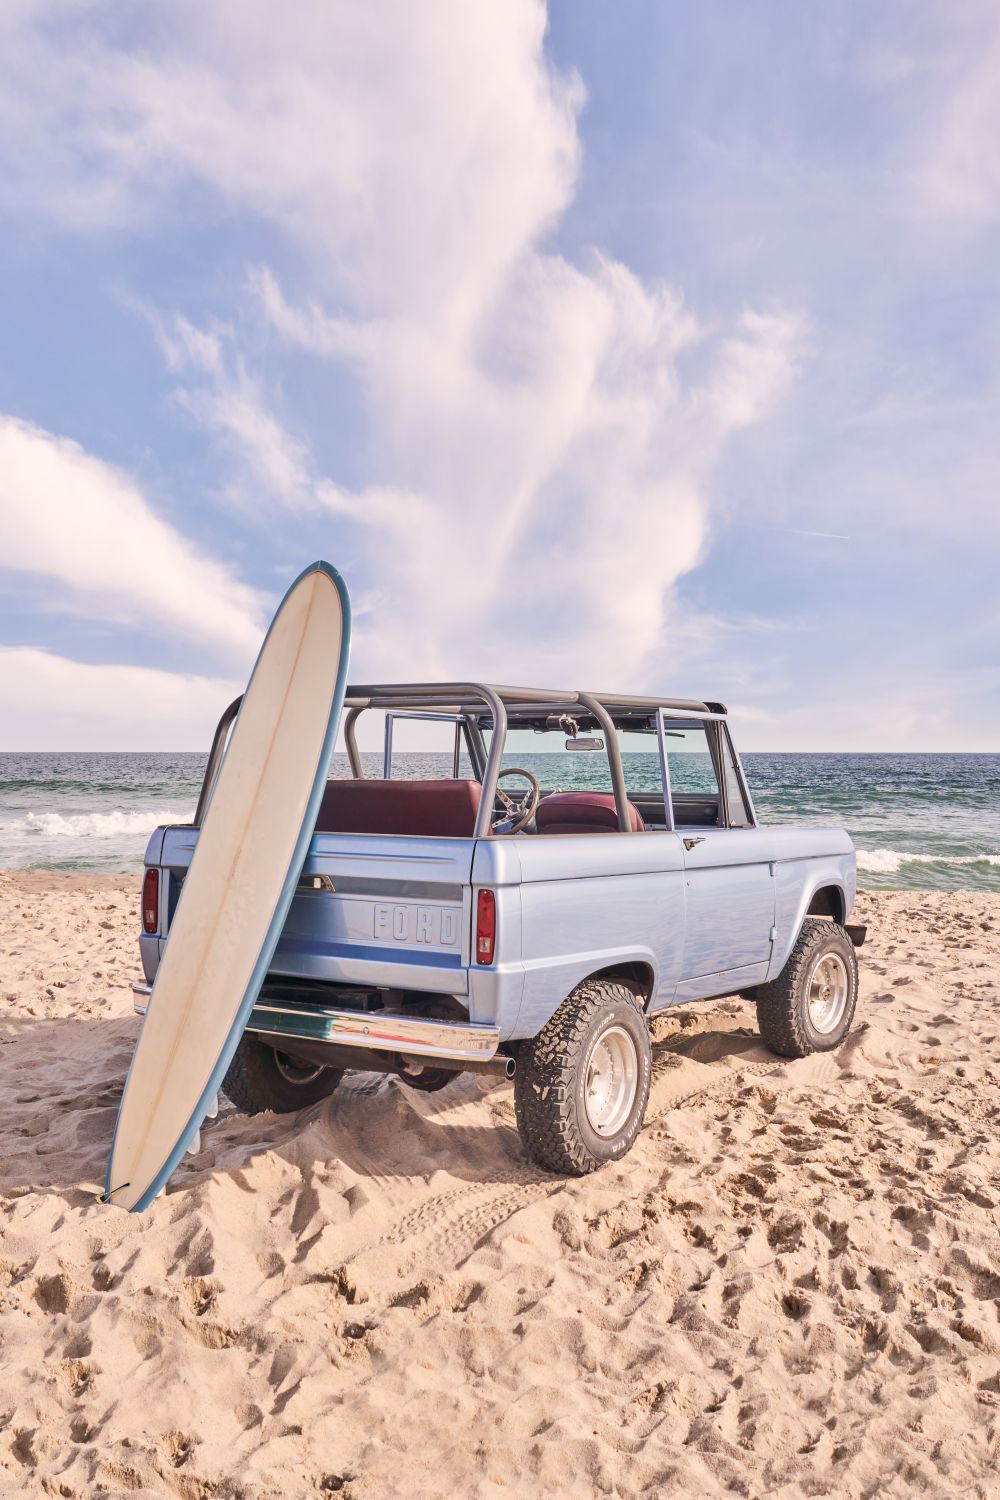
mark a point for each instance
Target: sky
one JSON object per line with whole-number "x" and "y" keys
{"x": 649, "y": 347}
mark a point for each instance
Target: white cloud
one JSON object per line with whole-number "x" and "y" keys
{"x": 559, "y": 469}
{"x": 363, "y": 130}
{"x": 540, "y": 460}
{"x": 563, "y": 468}
{"x": 53, "y": 703}
{"x": 83, "y": 526}
{"x": 884, "y": 715}
{"x": 959, "y": 171}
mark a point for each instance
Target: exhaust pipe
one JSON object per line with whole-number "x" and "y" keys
{"x": 496, "y": 1067}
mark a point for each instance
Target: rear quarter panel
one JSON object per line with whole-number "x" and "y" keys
{"x": 586, "y": 903}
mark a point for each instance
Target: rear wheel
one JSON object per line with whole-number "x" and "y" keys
{"x": 262, "y": 1077}
{"x": 810, "y": 1006}
{"x": 582, "y": 1083}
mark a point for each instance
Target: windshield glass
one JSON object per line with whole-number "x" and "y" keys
{"x": 557, "y": 769}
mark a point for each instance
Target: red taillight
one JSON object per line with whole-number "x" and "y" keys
{"x": 486, "y": 927}
{"x": 151, "y": 901}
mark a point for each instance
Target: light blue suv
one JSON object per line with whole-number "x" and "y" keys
{"x": 521, "y": 905}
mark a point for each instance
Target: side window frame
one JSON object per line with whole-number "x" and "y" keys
{"x": 719, "y": 743}
{"x": 741, "y": 780}
{"x": 713, "y": 733}
{"x": 461, "y": 724}
{"x": 668, "y": 802}
{"x": 711, "y": 741}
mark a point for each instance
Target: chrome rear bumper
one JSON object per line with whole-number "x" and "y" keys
{"x": 378, "y": 1031}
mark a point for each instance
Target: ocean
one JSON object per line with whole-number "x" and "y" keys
{"x": 919, "y": 822}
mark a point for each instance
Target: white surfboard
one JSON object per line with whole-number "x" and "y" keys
{"x": 236, "y": 895}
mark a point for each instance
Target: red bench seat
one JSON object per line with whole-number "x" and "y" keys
{"x": 583, "y": 812}
{"x": 434, "y": 809}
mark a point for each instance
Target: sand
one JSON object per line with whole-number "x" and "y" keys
{"x": 790, "y": 1286}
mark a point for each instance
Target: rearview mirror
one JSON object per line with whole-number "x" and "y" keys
{"x": 579, "y": 744}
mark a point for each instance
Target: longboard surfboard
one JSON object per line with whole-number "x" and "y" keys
{"x": 235, "y": 897}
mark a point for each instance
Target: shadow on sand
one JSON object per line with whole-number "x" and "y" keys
{"x": 61, "y": 1083}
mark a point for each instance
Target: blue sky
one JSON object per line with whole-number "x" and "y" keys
{"x": 650, "y": 346}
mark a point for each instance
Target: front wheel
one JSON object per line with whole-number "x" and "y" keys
{"x": 262, "y": 1077}
{"x": 582, "y": 1083}
{"x": 810, "y": 1006}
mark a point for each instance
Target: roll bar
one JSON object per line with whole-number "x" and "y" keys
{"x": 468, "y": 699}
{"x": 215, "y": 759}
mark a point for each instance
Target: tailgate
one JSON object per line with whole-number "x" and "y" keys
{"x": 378, "y": 910}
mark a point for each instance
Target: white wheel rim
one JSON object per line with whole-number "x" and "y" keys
{"x": 828, "y": 992}
{"x": 612, "y": 1079}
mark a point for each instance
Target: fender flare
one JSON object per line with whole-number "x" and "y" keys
{"x": 830, "y": 874}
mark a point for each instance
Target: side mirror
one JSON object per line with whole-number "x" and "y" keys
{"x": 579, "y": 744}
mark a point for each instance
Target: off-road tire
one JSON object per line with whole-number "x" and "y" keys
{"x": 255, "y": 1082}
{"x": 783, "y": 1014}
{"x": 552, "y": 1074}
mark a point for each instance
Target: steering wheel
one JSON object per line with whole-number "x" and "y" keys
{"x": 518, "y": 812}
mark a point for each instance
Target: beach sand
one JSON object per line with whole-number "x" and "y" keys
{"x": 790, "y": 1286}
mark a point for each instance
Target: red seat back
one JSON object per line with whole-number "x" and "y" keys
{"x": 435, "y": 809}
{"x": 583, "y": 812}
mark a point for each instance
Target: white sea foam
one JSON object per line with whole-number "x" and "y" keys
{"x": 110, "y": 825}
{"x": 889, "y": 861}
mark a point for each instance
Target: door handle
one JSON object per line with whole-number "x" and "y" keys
{"x": 690, "y": 843}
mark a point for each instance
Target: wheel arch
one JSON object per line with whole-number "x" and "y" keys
{"x": 827, "y": 901}
{"x": 634, "y": 974}
{"x": 827, "y": 892}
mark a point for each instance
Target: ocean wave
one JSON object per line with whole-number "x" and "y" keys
{"x": 108, "y": 825}
{"x": 890, "y": 861}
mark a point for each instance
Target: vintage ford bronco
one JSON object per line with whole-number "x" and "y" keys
{"x": 452, "y": 923}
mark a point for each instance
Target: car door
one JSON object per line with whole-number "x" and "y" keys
{"x": 729, "y": 899}
{"x": 728, "y": 869}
